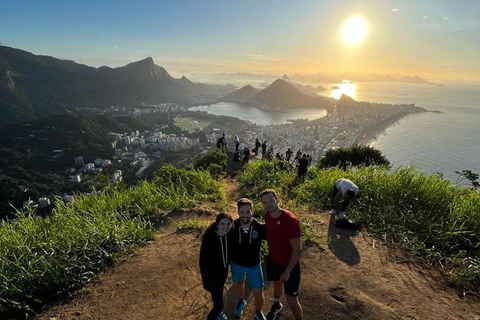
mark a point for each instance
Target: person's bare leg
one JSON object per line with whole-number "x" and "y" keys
{"x": 240, "y": 289}
{"x": 259, "y": 298}
{"x": 277, "y": 288}
{"x": 295, "y": 306}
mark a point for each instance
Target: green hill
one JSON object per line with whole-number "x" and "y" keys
{"x": 33, "y": 86}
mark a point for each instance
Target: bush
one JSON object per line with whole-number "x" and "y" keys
{"x": 356, "y": 155}
{"x": 211, "y": 157}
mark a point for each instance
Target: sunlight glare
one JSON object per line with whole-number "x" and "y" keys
{"x": 354, "y": 30}
{"x": 346, "y": 87}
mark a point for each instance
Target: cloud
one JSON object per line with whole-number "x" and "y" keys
{"x": 425, "y": 18}
{"x": 445, "y": 18}
{"x": 254, "y": 55}
{"x": 395, "y": 10}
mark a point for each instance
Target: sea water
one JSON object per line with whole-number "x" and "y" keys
{"x": 434, "y": 142}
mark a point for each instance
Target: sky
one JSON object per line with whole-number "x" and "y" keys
{"x": 203, "y": 38}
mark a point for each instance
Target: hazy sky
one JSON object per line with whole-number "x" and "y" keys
{"x": 430, "y": 38}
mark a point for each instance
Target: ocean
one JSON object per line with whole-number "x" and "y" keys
{"x": 433, "y": 142}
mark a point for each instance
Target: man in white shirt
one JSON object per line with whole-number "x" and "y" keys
{"x": 343, "y": 191}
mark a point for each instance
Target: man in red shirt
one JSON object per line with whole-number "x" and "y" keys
{"x": 283, "y": 261}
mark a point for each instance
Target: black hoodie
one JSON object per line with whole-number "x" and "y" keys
{"x": 245, "y": 243}
{"x": 214, "y": 259}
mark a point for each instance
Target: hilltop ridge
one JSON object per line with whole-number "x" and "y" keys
{"x": 352, "y": 275}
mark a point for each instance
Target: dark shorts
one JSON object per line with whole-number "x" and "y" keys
{"x": 291, "y": 287}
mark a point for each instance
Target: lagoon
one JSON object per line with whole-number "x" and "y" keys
{"x": 257, "y": 116}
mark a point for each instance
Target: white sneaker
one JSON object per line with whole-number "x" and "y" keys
{"x": 333, "y": 212}
{"x": 341, "y": 215}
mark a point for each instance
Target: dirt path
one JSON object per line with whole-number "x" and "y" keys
{"x": 354, "y": 276}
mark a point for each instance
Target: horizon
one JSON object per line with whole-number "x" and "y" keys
{"x": 215, "y": 40}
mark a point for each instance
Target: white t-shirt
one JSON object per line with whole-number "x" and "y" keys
{"x": 344, "y": 185}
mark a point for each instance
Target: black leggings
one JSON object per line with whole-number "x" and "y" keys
{"x": 217, "y": 296}
{"x": 344, "y": 202}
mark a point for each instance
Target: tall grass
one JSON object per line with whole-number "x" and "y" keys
{"x": 424, "y": 213}
{"x": 42, "y": 260}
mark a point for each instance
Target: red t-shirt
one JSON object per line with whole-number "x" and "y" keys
{"x": 279, "y": 232}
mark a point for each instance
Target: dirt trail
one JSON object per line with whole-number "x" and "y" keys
{"x": 353, "y": 276}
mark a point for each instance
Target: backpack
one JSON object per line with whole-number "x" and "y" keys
{"x": 219, "y": 142}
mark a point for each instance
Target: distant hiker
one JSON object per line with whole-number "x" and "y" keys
{"x": 264, "y": 149}
{"x": 236, "y": 156}
{"x": 237, "y": 143}
{"x": 288, "y": 154}
{"x": 303, "y": 166}
{"x": 298, "y": 155}
{"x": 257, "y": 146}
{"x": 224, "y": 143}
{"x": 220, "y": 143}
{"x": 246, "y": 155}
{"x": 270, "y": 153}
{"x": 214, "y": 262}
{"x": 310, "y": 159}
{"x": 343, "y": 191}
{"x": 246, "y": 240}
{"x": 283, "y": 260}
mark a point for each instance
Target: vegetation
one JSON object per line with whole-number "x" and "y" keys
{"x": 424, "y": 214}
{"x": 43, "y": 260}
{"x": 210, "y": 158}
{"x": 355, "y": 155}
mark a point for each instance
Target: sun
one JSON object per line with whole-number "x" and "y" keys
{"x": 354, "y": 30}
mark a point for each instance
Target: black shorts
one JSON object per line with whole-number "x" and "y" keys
{"x": 291, "y": 287}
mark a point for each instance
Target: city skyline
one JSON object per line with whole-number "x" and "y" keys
{"x": 202, "y": 40}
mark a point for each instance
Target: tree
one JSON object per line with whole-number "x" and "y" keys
{"x": 356, "y": 155}
{"x": 212, "y": 157}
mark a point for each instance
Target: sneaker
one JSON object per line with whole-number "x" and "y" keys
{"x": 333, "y": 212}
{"x": 274, "y": 311}
{"x": 238, "y": 311}
{"x": 259, "y": 316}
{"x": 342, "y": 215}
{"x": 222, "y": 316}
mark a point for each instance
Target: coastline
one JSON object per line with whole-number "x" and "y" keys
{"x": 369, "y": 135}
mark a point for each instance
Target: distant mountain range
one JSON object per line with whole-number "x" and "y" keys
{"x": 279, "y": 95}
{"x": 32, "y": 86}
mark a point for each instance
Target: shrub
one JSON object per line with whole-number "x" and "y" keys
{"x": 211, "y": 157}
{"x": 355, "y": 155}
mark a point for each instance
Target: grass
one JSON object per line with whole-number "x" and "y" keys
{"x": 43, "y": 260}
{"x": 191, "y": 225}
{"x": 189, "y": 124}
{"x": 425, "y": 214}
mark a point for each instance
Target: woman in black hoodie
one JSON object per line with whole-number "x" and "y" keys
{"x": 214, "y": 262}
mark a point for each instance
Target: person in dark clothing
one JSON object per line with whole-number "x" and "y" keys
{"x": 257, "y": 146}
{"x": 236, "y": 157}
{"x": 246, "y": 155}
{"x": 214, "y": 262}
{"x": 264, "y": 149}
{"x": 246, "y": 241}
{"x": 288, "y": 154}
{"x": 302, "y": 166}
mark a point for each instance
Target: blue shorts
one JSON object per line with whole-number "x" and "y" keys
{"x": 254, "y": 275}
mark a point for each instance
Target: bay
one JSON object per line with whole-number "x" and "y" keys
{"x": 433, "y": 142}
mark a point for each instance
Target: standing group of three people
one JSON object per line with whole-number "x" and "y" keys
{"x": 239, "y": 243}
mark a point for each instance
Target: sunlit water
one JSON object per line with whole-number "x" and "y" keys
{"x": 433, "y": 142}
{"x": 258, "y": 116}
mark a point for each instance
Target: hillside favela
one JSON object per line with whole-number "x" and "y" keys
{"x": 226, "y": 160}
